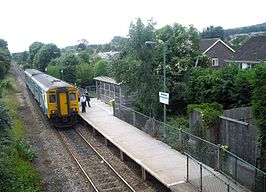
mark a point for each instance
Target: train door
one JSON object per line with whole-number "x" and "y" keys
{"x": 63, "y": 103}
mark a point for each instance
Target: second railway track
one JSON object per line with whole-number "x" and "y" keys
{"x": 97, "y": 170}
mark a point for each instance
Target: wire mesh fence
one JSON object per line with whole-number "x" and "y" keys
{"x": 202, "y": 150}
{"x": 205, "y": 179}
{"x": 91, "y": 90}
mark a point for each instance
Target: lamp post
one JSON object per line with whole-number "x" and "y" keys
{"x": 62, "y": 73}
{"x": 164, "y": 76}
{"x": 164, "y": 81}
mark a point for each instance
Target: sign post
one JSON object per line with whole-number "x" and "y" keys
{"x": 164, "y": 98}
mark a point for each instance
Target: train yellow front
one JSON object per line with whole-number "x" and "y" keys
{"x": 57, "y": 99}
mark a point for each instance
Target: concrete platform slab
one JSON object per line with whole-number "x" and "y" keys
{"x": 160, "y": 160}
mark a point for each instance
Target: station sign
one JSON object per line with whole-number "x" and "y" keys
{"x": 164, "y": 98}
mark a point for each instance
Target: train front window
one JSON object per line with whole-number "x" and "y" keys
{"x": 52, "y": 98}
{"x": 72, "y": 96}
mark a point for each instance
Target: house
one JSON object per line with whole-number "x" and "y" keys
{"x": 108, "y": 55}
{"x": 217, "y": 50}
{"x": 250, "y": 53}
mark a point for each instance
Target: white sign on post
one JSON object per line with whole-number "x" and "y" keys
{"x": 164, "y": 98}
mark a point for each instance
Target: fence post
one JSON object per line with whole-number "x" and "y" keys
{"x": 180, "y": 139}
{"x": 187, "y": 168}
{"x": 114, "y": 107}
{"x": 200, "y": 177}
{"x": 153, "y": 127}
{"x": 235, "y": 169}
{"x": 134, "y": 118}
{"x": 228, "y": 187}
{"x": 264, "y": 182}
{"x": 119, "y": 106}
{"x": 219, "y": 157}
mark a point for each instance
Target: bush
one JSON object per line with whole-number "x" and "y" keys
{"x": 17, "y": 175}
{"x": 209, "y": 112}
{"x": 24, "y": 151}
{"x": 5, "y": 118}
{"x": 259, "y": 109}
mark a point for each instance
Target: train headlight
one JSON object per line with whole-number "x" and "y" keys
{"x": 53, "y": 111}
{"x": 74, "y": 109}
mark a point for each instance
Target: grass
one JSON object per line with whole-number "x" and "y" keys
{"x": 9, "y": 96}
{"x": 16, "y": 171}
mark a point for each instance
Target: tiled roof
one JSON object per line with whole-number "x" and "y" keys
{"x": 253, "y": 50}
{"x": 206, "y": 43}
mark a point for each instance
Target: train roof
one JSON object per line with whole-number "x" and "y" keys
{"x": 46, "y": 81}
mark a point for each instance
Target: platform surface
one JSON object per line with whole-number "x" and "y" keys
{"x": 160, "y": 160}
{"x": 157, "y": 158}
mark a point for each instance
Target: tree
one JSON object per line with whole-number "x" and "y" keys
{"x": 213, "y": 32}
{"x": 101, "y": 68}
{"x": 84, "y": 57}
{"x": 3, "y": 44}
{"x": 33, "y": 49}
{"x": 181, "y": 55}
{"x": 21, "y": 58}
{"x": 259, "y": 110}
{"x": 5, "y": 59}
{"x": 118, "y": 43}
{"x": 230, "y": 86}
{"x": 69, "y": 59}
{"x": 45, "y": 55}
{"x": 136, "y": 67}
{"x": 84, "y": 74}
{"x": 82, "y": 44}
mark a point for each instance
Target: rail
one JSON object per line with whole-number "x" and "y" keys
{"x": 100, "y": 166}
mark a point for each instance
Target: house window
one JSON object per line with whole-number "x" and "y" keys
{"x": 245, "y": 66}
{"x": 215, "y": 62}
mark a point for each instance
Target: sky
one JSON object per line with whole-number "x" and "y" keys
{"x": 64, "y": 22}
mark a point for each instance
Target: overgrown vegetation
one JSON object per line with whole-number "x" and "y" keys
{"x": 5, "y": 58}
{"x": 209, "y": 113}
{"x": 231, "y": 87}
{"x": 259, "y": 109}
{"x": 16, "y": 171}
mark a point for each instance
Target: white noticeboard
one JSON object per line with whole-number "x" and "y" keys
{"x": 164, "y": 98}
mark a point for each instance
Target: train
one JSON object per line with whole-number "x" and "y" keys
{"x": 57, "y": 99}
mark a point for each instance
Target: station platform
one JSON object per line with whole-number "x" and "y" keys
{"x": 158, "y": 159}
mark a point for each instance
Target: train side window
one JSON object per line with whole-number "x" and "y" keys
{"x": 72, "y": 96}
{"x": 52, "y": 98}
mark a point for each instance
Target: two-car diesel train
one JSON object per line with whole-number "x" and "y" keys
{"x": 57, "y": 99}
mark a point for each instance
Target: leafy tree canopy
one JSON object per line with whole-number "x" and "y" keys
{"x": 259, "y": 109}
{"x": 118, "y": 43}
{"x": 5, "y": 59}
{"x": 33, "y": 49}
{"x": 213, "y": 32}
{"x": 101, "y": 68}
{"x": 3, "y": 44}
{"x": 45, "y": 55}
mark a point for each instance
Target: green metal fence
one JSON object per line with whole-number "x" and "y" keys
{"x": 205, "y": 179}
{"x": 202, "y": 150}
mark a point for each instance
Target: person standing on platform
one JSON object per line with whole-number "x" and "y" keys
{"x": 88, "y": 98}
{"x": 83, "y": 103}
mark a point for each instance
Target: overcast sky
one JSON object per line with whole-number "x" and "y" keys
{"x": 63, "y": 22}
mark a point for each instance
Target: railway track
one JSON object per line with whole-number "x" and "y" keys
{"x": 92, "y": 165}
{"x": 101, "y": 175}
